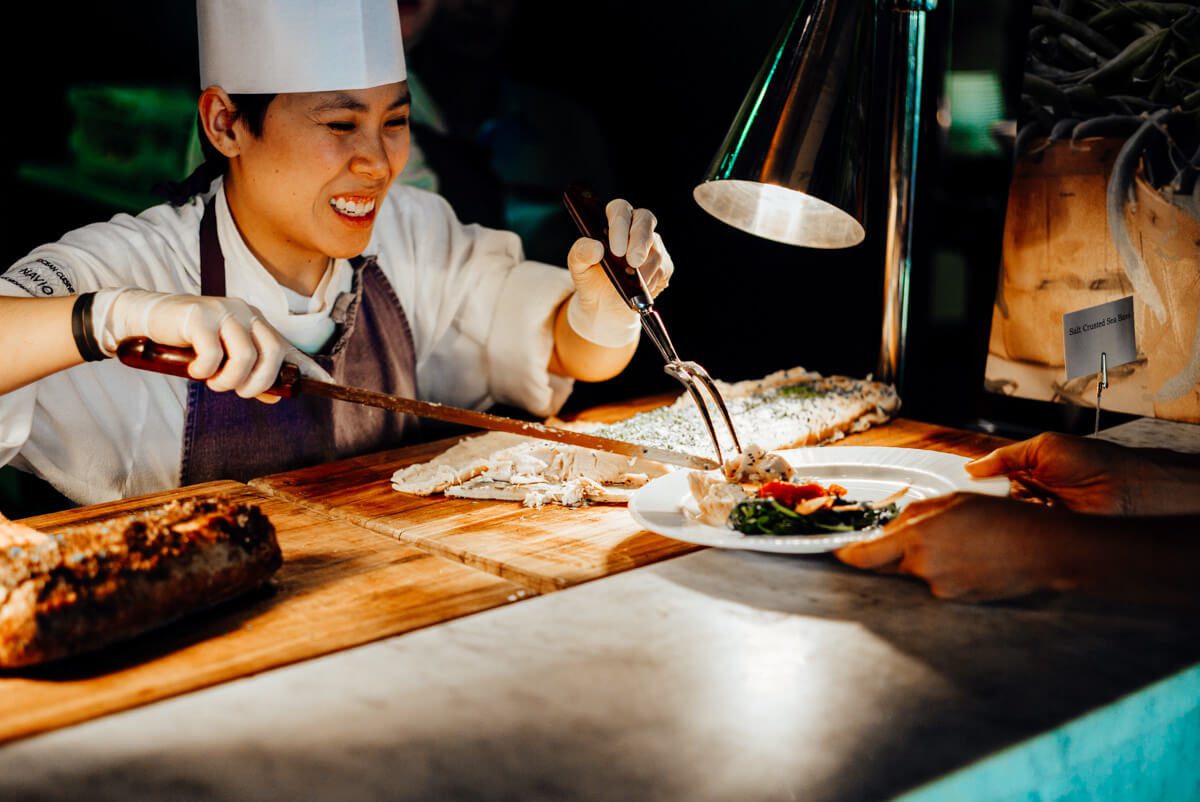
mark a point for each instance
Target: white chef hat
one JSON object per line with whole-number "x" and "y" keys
{"x": 270, "y": 46}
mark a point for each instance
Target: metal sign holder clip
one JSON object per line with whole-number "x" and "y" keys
{"x": 1101, "y": 386}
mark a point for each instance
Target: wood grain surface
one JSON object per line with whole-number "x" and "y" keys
{"x": 545, "y": 549}
{"x": 340, "y": 586}
{"x": 904, "y": 433}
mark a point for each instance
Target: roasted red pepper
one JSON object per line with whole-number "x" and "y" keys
{"x": 788, "y": 494}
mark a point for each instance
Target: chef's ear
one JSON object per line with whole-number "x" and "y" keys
{"x": 218, "y": 113}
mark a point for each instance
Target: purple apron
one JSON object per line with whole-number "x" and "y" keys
{"x": 228, "y": 437}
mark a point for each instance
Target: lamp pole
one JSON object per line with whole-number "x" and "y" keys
{"x": 904, "y": 21}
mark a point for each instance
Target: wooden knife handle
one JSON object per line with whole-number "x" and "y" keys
{"x": 588, "y": 213}
{"x": 145, "y": 354}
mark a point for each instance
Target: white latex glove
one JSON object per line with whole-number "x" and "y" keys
{"x": 214, "y": 327}
{"x": 596, "y": 311}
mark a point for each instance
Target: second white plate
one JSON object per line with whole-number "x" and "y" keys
{"x": 868, "y": 473}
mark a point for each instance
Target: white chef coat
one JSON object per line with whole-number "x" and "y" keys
{"x": 481, "y": 318}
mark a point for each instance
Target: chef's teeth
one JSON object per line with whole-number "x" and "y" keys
{"x": 353, "y": 208}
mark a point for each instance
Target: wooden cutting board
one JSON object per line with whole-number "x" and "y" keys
{"x": 543, "y": 549}
{"x": 546, "y": 549}
{"x": 904, "y": 433}
{"x": 340, "y": 586}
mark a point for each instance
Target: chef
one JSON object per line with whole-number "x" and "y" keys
{"x": 300, "y": 251}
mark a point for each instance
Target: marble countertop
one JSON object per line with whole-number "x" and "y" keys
{"x": 1155, "y": 433}
{"x": 718, "y": 675}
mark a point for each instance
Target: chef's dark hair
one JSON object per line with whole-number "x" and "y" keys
{"x": 251, "y": 109}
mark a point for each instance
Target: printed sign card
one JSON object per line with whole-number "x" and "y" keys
{"x": 1107, "y": 329}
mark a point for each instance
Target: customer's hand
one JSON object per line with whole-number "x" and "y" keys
{"x": 596, "y": 310}
{"x": 236, "y": 349}
{"x": 1085, "y": 475}
{"x": 974, "y": 548}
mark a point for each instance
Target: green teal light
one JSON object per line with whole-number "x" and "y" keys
{"x": 912, "y": 106}
{"x": 732, "y": 154}
{"x": 124, "y": 140}
{"x": 1139, "y": 747}
{"x": 976, "y": 105}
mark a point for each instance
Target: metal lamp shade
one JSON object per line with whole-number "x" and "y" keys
{"x": 793, "y": 165}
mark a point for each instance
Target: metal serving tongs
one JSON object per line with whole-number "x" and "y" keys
{"x": 585, "y": 209}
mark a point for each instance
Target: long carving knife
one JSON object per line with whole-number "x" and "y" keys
{"x": 145, "y": 354}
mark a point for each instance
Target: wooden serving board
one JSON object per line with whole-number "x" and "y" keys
{"x": 904, "y": 433}
{"x": 340, "y": 586}
{"x": 545, "y": 549}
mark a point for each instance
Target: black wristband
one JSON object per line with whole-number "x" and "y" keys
{"x": 81, "y": 328}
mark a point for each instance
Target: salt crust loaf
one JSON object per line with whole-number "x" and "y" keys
{"x": 787, "y": 409}
{"x": 79, "y": 589}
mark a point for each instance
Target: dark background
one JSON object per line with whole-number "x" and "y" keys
{"x": 664, "y": 81}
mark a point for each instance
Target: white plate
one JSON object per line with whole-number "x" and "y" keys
{"x": 666, "y": 506}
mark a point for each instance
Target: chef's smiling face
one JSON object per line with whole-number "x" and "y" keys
{"x": 309, "y": 187}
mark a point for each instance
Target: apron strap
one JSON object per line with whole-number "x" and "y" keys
{"x": 212, "y": 260}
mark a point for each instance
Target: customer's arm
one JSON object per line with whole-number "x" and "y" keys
{"x": 978, "y": 548}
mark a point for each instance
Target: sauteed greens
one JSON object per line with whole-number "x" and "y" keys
{"x": 784, "y": 508}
